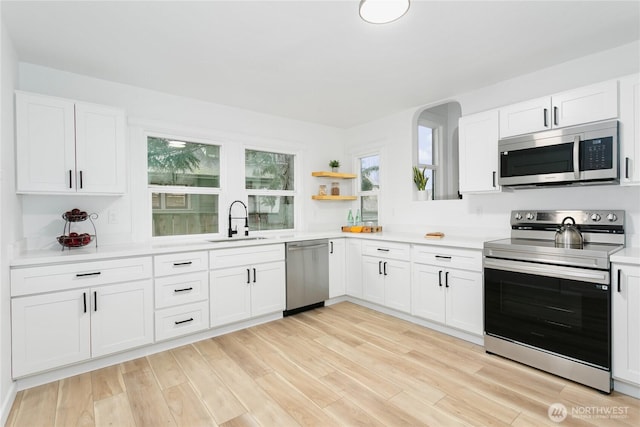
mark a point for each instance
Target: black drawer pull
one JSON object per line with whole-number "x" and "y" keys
{"x": 385, "y": 268}
{"x": 440, "y": 278}
{"x": 494, "y": 179}
{"x": 183, "y": 290}
{"x": 248, "y": 275}
{"x": 331, "y": 250}
{"x": 555, "y": 115}
{"x": 379, "y": 267}
{"x": 546, "y": 123}
{"x": 70, "y": 178}
{"x": 80, "y": 179}
{"x": 443, "y": 257}
{"x": 95, "y": 301}
{"x": 383, "y": 250}
{"x": 626, "y": 167}
{"x": 446, "y": 279}
{"x": 97, "y": 273}
{"x": 178, "y": 264}
{"x": 179, "y": 322}
{"x": 84, "y": 301}
{"x": 254, "y": 275}
{"x": 619, "y": 278}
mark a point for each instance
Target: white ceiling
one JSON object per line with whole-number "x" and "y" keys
{"x": 313, "y": 60}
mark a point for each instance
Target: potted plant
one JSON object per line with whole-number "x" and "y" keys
{"x": 334, "y": 165}
{"x": 420, "y": 179}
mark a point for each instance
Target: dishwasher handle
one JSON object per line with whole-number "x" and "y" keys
{"x": 301, "y": 248}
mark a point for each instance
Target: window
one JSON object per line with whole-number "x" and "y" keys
{"x": 269, "y": 181}
{"x": 184, "y": 185}
{"x": 369, "y": 185}
{"x": 436, "y": 149}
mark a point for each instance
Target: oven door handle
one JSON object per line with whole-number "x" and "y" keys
{"x": 576, "y": 157}
{"x": 569, "y": 273}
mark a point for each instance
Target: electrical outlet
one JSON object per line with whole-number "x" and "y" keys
{"x": 113, "y": 217}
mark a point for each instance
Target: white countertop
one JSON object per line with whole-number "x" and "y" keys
{"x": 627, "y": 256}
{"x": 91, "y": 253}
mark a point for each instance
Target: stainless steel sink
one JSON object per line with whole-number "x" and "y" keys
{"x": 237, "y": 239}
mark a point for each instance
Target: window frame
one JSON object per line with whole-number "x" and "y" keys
{"x": 163, "y": 190}
{"x": 297, "y": 184}
{"x": 357, "y": 160}
{"x": 437, "y": 141}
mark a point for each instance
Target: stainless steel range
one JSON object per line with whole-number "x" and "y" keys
{"x": 548, "y": 304}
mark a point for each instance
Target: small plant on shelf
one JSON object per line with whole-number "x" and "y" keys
{"x": 334, "y": 165}
{"x": 420, "y": 178}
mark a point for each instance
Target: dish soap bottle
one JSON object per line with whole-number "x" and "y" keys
{"x": 350, "y": 218}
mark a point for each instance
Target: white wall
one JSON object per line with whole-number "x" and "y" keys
{"x": 10, "y": 217}
{"x": 489, "y": 214}
{"x": 233, "y": 127}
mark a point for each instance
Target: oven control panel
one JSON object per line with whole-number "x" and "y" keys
{"x": 605, "y": 218}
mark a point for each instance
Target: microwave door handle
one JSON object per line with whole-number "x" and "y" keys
{"x": 576, "y": 156}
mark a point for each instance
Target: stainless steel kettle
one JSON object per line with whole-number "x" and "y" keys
{"x": 568, "y": 235}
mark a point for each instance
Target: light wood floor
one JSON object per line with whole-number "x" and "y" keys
{"x": 337, "y": 366}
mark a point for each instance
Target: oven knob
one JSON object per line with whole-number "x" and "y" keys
{"x": 612, "y": 217}
{"x": 529, "y": 216}
{"x": 595, "y": 217}
{"x": 518, "y": 216}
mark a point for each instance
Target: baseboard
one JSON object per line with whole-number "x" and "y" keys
{"x": 632, "y": 390}
{"x": 7, "y": 403}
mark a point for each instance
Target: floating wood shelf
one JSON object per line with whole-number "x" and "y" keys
{"x": 334, "y": 175}
{"x": 334, "y": 197}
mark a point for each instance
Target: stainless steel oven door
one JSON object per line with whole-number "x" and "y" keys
{"x": 562, "y": 310}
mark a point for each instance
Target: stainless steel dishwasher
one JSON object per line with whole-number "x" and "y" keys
{"x": 307, "y": 275}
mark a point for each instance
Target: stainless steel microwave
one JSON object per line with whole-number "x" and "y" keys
{"x": 586, "y": 154}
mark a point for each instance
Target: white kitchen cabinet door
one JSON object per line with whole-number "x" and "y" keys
{"x": 397, "y": 285}
{"x": 630, "y": 130}
{"x": 268, "y": 288}
{"x": 45, "y": 153}
{"x": 525, "y": 117}
{"x": 100, "y": 146}
{"x": 372, "y": 280}
{"x": 428, "y": 295}
{"x": 337, "y": 268}
{"x": 464, "y": 300}
{"x": 230, "y": 295}
{"x": 354, "y": 267}
{"x": 478, "y": 153}
{"x": 50, "y": 330}
{"x": 586, "y": 104}
{"x": 121, "y": 317}
{"x": 626, "y": 323}
{"x": 66, "y": 147}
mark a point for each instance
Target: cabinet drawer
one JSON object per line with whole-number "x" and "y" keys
{"x": 33, "y": 280}
{"x": 466, "y": 259}
{"x": 388, "y": 250}
{"x": 234, "y": 257}
{"x": 183, "y": 320}
{"x": 179, "y": 263}
{"x": 181, "y": 289}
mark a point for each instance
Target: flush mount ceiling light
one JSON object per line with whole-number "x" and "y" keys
{"x": 382, "y": 11}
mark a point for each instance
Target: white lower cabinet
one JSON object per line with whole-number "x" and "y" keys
{"x": 353, "y": 270}
{"x": 386, "y": 277}
{"x": 448, "y": 295}
{"x": 337, "y": 273}
{"x": 254, "y": 288}
{"x": 61, "y": 328}
{"x": 626, "y": 323}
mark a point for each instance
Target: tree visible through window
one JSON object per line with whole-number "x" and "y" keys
{"x": 369, "y": 185}
{"x": 184, "y": 182}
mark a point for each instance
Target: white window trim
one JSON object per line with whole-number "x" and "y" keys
{"x": 376, "y": 191}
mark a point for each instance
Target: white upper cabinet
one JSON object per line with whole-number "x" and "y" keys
{"x": 583, "y": 105}
{"x": 478, "y": 151}
{"x": 630, "y": 130}
{"x": 64, "y": 147}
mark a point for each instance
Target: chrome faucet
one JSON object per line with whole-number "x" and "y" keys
{"x": 231, "y": 231}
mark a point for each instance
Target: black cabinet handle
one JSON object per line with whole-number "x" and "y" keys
{"x": 619, "y": 278}
{"x": 254, "y": 275}
{"x": 84, "y": 301}
{"x": 494, "y": 179}
{"x": 443, "y": 257}
{"x": 385, "y": 268}
{"x": 446, "y": 279}
{"x": 555, "y": 115}
{"x": 97, "y": 273}
{"x": 178, "y": 264}
{"x": 379, "y": 267}
{"x": 179, "y": 322}
{"x": 248, "y": 275}
{"x": 70, "y": 178}
{"x": 331, "y": 250}
{"x": 626, "y": 167}
{"x": 80, "y": 179}
{"x": 440, "y": 278}
{"x": 95, "y": 301}
{"x": 546, "y": 123}
{"x": 383, "y": 250}
{"x": 183, "y": 290}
